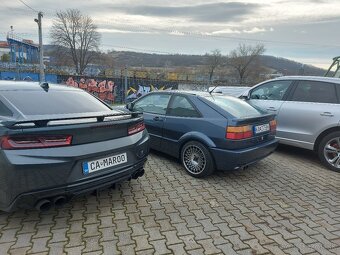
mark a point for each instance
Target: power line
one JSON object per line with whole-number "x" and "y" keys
{"x": 18, "y": 10}
{"x": 21, "y": 1}
{"x": 198, "y": 34}
{"x": 175, "y": 32}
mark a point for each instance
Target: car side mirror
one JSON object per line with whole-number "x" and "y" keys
{"x": 129, "y": 106}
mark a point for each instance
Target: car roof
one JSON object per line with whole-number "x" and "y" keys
{"x": 184, "y": 92}
{"x": 309, "y": 78}
{"x": 29, "y": 85}
{"x": 193, "y": 93}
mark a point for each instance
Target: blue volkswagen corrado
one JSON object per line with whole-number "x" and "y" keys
{"x": 205, "y": 131}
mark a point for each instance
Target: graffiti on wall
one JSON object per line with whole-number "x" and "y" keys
{"x": 112, "y": 90}
{"x": 104, "y": 89}
{"x": 133, "y": 93}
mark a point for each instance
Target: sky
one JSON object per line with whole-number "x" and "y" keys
{"x": 301, "y": 30}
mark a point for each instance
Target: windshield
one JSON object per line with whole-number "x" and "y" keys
{"x": 35, "y": 102}
{"x": 234, "y": 106}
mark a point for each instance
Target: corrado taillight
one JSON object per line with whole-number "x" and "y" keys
{"x": 34, "y": 141}
{"x": 239, "y": 132}
{"x": 273, "y": 125}
{"x": 136, "y": 128}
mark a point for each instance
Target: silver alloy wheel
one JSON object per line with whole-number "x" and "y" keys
{"x": 331, "y": 152}
{"x": 194, "y": 159}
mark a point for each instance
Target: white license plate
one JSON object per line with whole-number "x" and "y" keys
{"x": 261, "y": 128}
{"x": 99, "y": 164}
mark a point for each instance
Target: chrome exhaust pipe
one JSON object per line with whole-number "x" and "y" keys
{"x": 43, "y": 205}
{"x": 59, "y": 201}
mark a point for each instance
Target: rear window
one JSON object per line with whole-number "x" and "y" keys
{"x": 236, "y": 107}
{"x": 54, "y": 102}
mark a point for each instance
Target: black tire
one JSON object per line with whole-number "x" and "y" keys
{"x": 197, "y": 160}
{"x": 332, "y": 142}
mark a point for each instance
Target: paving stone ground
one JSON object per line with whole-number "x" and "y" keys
{"x": 285, "y": 204}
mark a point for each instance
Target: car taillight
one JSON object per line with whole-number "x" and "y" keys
{"x": 273, "y": 125}
{"x": 238, "y": 133}
{"x": 34, "y": 141}
{"x": 136, "y": 128}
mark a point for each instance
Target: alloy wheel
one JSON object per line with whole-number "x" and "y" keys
{"x": 194, "y": 159}
{"x": 332, "y": 152}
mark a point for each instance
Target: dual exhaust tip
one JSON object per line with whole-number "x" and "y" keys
{"x": 46, "y": 204}
{"x": 58, "y": 201}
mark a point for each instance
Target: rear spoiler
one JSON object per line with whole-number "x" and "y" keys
{"x": 42, "y": 121}
{"x": 262, "y": 118}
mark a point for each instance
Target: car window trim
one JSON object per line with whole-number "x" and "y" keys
{"x": 297, "y": 83}
{"x": 285, "y": 96}
{"x": 291, "y": 91}
{"x": 187, "y": 98}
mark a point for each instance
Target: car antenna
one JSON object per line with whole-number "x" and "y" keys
{"x": 212, "y": 89}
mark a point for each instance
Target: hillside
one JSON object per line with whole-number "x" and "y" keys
{"x": 136, "y": 59}
{"x": 289, "y": 67}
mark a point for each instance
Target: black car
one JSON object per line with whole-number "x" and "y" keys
{"x": 57, "y": 142}
{"x": 206, "y": 131}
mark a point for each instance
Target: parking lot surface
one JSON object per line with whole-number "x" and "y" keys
{"x": 285, "y": 204}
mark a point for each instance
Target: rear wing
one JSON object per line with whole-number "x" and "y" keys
{"x": 43, "y": 121}
{"x": 263, "y": 118}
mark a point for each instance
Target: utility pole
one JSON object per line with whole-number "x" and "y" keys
{"x": 41, "y": 50}
{"x": 125, "y": 84}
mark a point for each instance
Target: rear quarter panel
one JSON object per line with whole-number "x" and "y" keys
{"x": 208, "y": 129}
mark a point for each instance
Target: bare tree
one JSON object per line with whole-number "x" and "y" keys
{"x": 213, "y": 61}
{"x": 242, "y": 59}
{"x": 77, "y": 33}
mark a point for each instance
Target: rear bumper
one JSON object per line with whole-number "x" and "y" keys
{"x": 27, "y": 176}
{"x": 29, "y": 199}
{"x": 233, "y": 159}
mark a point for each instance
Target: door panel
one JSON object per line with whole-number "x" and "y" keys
{"x": 270, "y": 106}
{"x": 311, "y": 109}
{"x": 181, "y": 117}
{"x": 303, "y": 121}
{"x": 153, "y": 106}
{"x": 154, "y": 124}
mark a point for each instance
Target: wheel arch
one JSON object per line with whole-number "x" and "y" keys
{"x": 195, "y": 136}
{"x": 323, "y": 134}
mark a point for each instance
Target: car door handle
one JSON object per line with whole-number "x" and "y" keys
{"x": 157, "y": 118}
{"x": 327, "y": 114}
{"x": 273, "y": 109}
